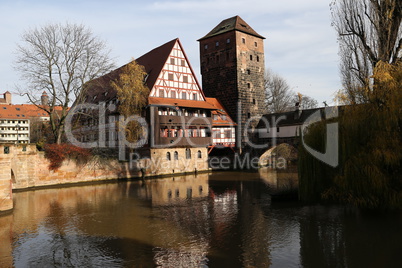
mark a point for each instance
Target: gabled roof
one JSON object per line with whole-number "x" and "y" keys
{"x": 220, "y": 110}
{"x": 232, "y": 24}
{"x": 153, "y": 62}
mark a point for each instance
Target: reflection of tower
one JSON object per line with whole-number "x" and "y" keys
{"x": 44, "y": 99}
{"x": 232, "y": 68}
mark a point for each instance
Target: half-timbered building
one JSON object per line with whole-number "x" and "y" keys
{"x": 180, "y": 119}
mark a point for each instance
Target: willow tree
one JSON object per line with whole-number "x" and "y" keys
{"x": 132, "y": 94}
{"x": 370, "y": 138}
{"x": 58, "y": 60}
{"x": 369, "y": 31}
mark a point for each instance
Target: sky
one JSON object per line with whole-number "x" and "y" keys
{"x": 300, "y": 45}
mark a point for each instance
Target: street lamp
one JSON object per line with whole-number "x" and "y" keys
{"x": 17, "y": 127}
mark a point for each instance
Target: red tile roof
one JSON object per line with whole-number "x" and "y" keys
{"x": 22, "y": 111}
{"x": 220, "y": 110}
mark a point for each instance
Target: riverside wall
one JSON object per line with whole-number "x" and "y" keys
{"x": 23, "y": 167}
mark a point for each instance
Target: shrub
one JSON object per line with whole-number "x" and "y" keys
{"x": 57, "y": 153}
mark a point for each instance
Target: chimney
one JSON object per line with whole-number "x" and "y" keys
{"x": 7, "y": 97}
{"x": 44, "y": 99}
{"x": 297, "y": 111}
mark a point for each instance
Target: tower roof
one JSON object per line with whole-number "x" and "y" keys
{"x": 232, "y": 24}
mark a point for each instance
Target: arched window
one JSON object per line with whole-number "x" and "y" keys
{"x": 176, "y": 155}
{"x": 199, "y": 154}
{"x": 188, "y": 153}
{"x": 168, "y": 156}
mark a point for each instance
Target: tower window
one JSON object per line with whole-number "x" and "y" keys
{"x": 248, "y": 115}
{"x": 243, "y": 40}
{"x": 251, "y": 57}
{"x": 228, "y": 41}
{"x": 168, "y": 156}
{"x": 206, "y": 47}
{"x": 253, "y": 101}
{"x": 248, "y": 72}
{"x": 217, "y": 44}
{"x": 255, "y": 44}
{"x": 258, "y": 59}
{"x": 248, "y": 85}
{"x": 188, "y": 153}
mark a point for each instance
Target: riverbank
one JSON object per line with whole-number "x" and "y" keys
{"x": 23, "y": 167}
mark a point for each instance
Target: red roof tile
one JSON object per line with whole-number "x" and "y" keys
{"x": 181, "y": 103}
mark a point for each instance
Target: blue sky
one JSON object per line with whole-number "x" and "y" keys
{"x": 300, "y": 43}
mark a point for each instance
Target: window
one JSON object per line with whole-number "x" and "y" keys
{"x": 243, "y": 40}
{"x": 277, "y": 129}
{"x": 255, "y": 44}
{"x": 6, "y": 149}
{"x": 206, "y": 47}
{"x": 253, "y": 101}
{"x": 176, "y": 155}
{"x": 172, "y": 61}
{"x": 194, "y": 96}
{"x": 168, "y": 156}
{"x": 217, "y": 44}
{"x": 188, "y": 153}
{"x": 170, "y": 77}
{"x": 173, "y": 94}
{"x": 248, "y": 72}
{"x": 161, "y": 93}
{"x": 248, "y": 85}
{"x": 228, "y": 41}
{"x": 258, "y": 59}
{"x": 199, "y": 154}
{"x": 183, "y": 63}
{"x": 248, "y": 115}
{"x": 184, "y": 95}
{"x": 24, "y": 148}
{"x": 251, "y": 57}
{"x": 185, "y": 79}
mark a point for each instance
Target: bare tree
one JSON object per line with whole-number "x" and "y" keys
{"x": 369, "y": 31}
{"x": 59, "y": 60}
{"x": 305, "y": 102}
{"x": 280, "y": 98}
{"x": 278, "y": 93}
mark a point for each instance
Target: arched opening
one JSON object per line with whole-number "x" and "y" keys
{"x": 188, "y": 153}
{"x": 168, "y": 156}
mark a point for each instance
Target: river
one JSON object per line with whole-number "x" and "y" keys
{"x": 221, "y": 219}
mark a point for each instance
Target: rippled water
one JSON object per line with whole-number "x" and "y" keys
{"x": 223, "y": 219}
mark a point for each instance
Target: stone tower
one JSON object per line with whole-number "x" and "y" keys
{"x": 232, "y": 69}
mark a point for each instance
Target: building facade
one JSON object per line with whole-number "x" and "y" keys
{"x": 178, "y": 116}
{"x": 232, "y": 69}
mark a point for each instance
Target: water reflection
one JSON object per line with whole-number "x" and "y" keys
{"x": 223, "y": 219}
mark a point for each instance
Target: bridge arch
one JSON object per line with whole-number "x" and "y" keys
{"x": 283, "y": 150}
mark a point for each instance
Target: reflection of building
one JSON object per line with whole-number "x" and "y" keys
{"x": 166, "y": 191}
